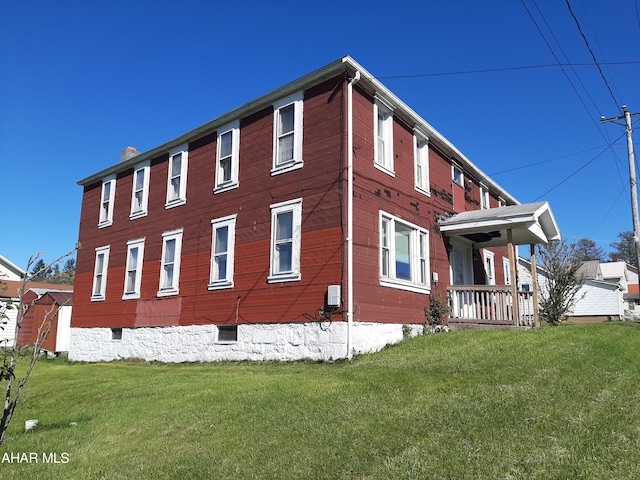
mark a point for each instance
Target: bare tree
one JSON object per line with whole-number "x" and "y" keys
{"x": 557, "y": 294}
{"x": 12, "y": 356}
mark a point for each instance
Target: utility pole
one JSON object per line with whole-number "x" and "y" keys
{"x": 632, "y": 176}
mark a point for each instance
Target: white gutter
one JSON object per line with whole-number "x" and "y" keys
{"x": 350, "y": 85}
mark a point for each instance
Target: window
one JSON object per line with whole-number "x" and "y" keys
{"x": 177, "y": 178}
{"x": 287, "y": 135}
{"x": 404, "y": 254}
{"x": 421, "y": 154}
{"x": 489, "y": 267}
{"x": 383, "y": 135}
{"x": 484, "y": 196}
{"x": 106, "y": 201}
{"x": 502, "y": 202}
{"x": 140, "y": 194}
{"x": 457, "y": 174}
{"x": 227, "y": 153}
{"x": 100, "y": 274}
{"x": 227, "y": 333}
{"x": 222, "y": 249}
{"x": 286, "y": 226}
{"x": 116, "y": 334}
{"x": 133, "y": 271}
{"x": 506, "y": 267}
{"x": 170, "y": 265}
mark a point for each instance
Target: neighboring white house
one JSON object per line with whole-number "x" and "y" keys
{"x": 9, "y": 270}
{"x": 598, "y": 299}
{"x": 9, "y": 273}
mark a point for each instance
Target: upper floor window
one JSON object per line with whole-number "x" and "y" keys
{"x": 286, "y": 233}
{"x": 457, "y": 174}
{"x": 133, "y": 272}
{"x": 107, "y": 199}
{"x": 383, "y": 135}
{"x": 484, "y": 196}
{"x": 177, "y": 177}
{"x": 404, "y": 254}
{"x": 421, "y": 154}
{"x": 170, "y": 263}
{"x": 140, "y": 194}
{"x": 222, "y": 252}
{"x": 227, "y": 153}
{"x": 100, "y": 268}
{"x": 287, "y": 134}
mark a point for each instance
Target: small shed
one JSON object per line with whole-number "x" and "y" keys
{"x": 48, "y": 306}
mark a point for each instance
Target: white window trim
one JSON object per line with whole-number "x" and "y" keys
{"x": 182, "y": 194}
{"x": 107, "y": 220}
{"x": 484, "y": 197}
{"x": 230, "y": 222}
{"x": 489, "y": 266}
{"x": 506, "y": 267}
{"x": 418, "y": 233}
{"x": 421, "y": 162}
{"x": 145, "y": 167}
{"x": 102, "y": 294}
{"x": 174, "y": 288}
{"x": 131, "y": 244}
{"x": 294, "y": 275}
{"x": 297, "y": 100}
{"x": 454, "y": 167}
{"x": 220, "y": 184}
{"x": 379, "y": 105}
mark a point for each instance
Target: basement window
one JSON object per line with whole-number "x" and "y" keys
{"x": 116, "y": 334}
{"x": 227, "y": 333}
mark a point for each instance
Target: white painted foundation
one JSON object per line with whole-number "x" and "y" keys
{"x": 258, "y": 342}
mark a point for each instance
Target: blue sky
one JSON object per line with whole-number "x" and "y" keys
{"x": 80, "y": 81}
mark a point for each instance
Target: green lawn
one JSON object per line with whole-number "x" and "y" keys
{"x": 553, "y": 403}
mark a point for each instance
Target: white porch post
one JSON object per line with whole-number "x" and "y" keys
{"x": 514, "y": 279}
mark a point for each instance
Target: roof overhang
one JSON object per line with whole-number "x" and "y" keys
{"x": 530, "y": 224}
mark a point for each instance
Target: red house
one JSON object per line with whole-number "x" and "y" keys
{"x": 304, "y": 224}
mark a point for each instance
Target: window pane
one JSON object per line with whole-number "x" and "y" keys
{"x": 175, "y": 187}
{"x": 170, "y": 251}
{"x": 221, "y": 267}
{"x": 176, "y": 164}
{"x": 284, "y": 258}
{"x": 107, "y": 192}
{"x": 167, "y": 279}
{"x": 138, "y": 201}
{"x": 139, "y": 179}
{"x": 284, "y": 226}
{"x": 286, "y": 120}
{"x": 285, "y": 148}
{"x": 225, "y": 167}
{"x": 222, "y": 236}
{"x": 226, "y": 144}
{"x": 133, "y": 257}
{"x": 403, "y": 257}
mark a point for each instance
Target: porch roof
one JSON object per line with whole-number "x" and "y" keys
{"x": 530, "y": 224}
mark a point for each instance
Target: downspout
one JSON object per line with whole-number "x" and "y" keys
{"x": 350, "y": 309}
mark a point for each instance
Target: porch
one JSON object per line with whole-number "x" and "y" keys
{"x": 495, "y": 305}
{"x": 490, "y": 305}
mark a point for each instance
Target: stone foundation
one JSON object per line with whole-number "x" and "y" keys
{"x": 258, "y": 342}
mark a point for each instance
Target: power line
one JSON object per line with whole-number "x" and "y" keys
{"x": 504, "y": 69}
{"x": 593, "y": 56}
{"x": 575, "y": 172}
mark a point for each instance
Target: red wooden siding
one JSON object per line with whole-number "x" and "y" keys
{"x": 318, "y": 183}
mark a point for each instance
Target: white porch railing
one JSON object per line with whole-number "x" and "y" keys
{"x": 490, "y": 305}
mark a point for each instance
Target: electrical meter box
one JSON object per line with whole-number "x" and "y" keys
{"x": 333, "y": 296}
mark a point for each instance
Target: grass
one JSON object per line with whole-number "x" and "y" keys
{"x": 551, "y": 403}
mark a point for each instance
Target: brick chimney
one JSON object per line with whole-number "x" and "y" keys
{"x": 128, "y": 153}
